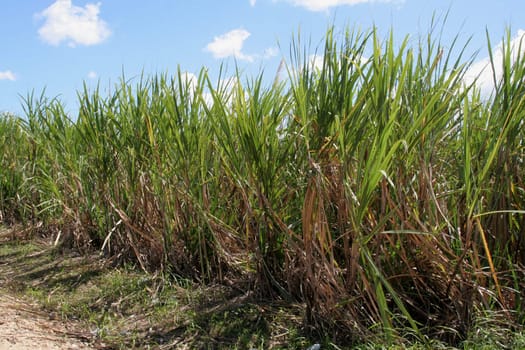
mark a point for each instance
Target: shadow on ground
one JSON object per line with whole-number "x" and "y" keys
{"x": 128, "y": 309}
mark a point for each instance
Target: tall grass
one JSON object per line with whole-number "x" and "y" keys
{"x": 13, "y": 165}
{"x": 379, "y": 189}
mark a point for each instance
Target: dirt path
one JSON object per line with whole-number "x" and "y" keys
{"x": 23, "y": 327}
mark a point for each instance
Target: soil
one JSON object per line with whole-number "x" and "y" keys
{"x": 23, "y": 326}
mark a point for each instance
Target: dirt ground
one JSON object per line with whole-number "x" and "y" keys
{"x": 23, "y": 327}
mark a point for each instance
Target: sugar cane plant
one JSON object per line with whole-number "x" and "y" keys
{"x": 380, "y": 189}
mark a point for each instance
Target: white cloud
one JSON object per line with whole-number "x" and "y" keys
{"x": 481, "y": 71}
{"x": 271, "y": 52}
{"x": 73, "y": 24}
{"x": 230, "y": 44}
{"x": 92, "y": 75}
{"x": 252, "y": 2}
{"x": 7, "y": 75}
{"x": 323, "y": 5}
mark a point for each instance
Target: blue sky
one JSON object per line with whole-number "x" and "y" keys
{"x": 59, "y": 44}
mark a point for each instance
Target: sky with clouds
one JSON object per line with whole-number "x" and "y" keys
{"x": 57, "y": 45}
